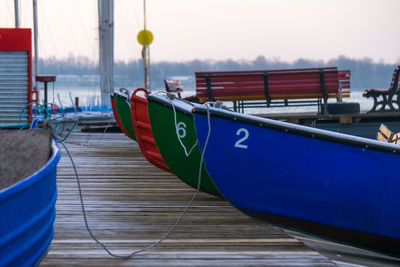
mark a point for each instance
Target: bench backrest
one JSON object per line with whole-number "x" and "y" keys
{"x": 271, "y": 84}
{"x": 344, "y": 79}
{"x": 394, "y": 84}
{"x": 173, "y": 86}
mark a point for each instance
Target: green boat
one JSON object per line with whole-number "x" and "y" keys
{"x": 177, "y": 141}
{"x": 122, "y": 99}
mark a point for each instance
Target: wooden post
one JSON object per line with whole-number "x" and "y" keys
{"x": 345, "y": 120}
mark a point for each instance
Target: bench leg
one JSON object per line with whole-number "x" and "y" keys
{"x": 390, "y": 104}
{"x": 324, "y": 105}
{"x": 397, "y": 101}
{"x": 325, "y": 108}
{"x": 378, "y": 103}
{"x": 394, "y": 99}
{"x": 319, "y": 104}
{"x": 384, "y": 102}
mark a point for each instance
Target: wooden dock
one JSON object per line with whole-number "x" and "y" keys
{"x": 131, "y": 204}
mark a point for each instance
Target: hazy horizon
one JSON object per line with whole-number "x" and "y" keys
{"x": 185, "y": 30}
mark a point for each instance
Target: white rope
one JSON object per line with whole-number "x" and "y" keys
{"x": 177, "y": 129}
{"x": 170, "y": 98}
{"x": 51, "y": 126}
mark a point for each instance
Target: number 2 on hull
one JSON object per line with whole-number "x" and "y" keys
{"x": 245, "y": 133}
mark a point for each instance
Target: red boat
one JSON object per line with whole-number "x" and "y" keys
{"x": 142, "y": 128}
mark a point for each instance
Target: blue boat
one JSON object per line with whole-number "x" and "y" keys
{"x": 27, "y": 213}
{"x": 335, "y": 186}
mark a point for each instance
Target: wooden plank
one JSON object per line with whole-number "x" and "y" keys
{"x": 381, "y": 137}
{"x": 110, "y": 122}
{"x": 396, "y": 138}
{"x": 204, "y": 99}
{"x": 386, "y": 133}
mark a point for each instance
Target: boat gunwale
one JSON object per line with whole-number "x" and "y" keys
{"x": 291, "y": 128}
{"x": 34, "y": 177}
{"x": 167, "y": 102}
{"x": 125, "y": 97}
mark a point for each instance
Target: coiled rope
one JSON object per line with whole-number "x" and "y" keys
{"x": 42, "y": 112}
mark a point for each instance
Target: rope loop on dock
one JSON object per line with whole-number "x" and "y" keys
{"x": 49, "y": 124}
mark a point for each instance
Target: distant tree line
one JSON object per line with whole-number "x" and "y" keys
{"x": 364, "y": 72}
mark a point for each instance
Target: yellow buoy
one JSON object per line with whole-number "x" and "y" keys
{"x": 145, "y": 37}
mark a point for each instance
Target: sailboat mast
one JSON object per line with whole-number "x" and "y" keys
{"x": 16, "y": 11}
{"x": 146, "y": 53}
{"x": 106, "y": 49}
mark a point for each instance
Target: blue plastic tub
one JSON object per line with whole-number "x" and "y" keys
{"x": 27, "y": 213}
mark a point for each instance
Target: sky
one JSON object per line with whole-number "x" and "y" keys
{"x": 220, "y": 29}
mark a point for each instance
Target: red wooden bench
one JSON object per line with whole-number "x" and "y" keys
{"x": 301, "y": 86}
{"x": 173, "y": 86}
{"x": 386, "y": 94}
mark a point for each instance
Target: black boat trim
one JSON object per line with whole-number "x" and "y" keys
{"x": 169, "y": 105}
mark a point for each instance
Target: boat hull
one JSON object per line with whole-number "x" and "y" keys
{"x": 124, "y": 114}
{"x": 183, "y": 158}
{"x": 27, "y": 211}
{"x": 330, "y": 185}
{"x": 115, "y": 113}
{"x": 142, "y": 128}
